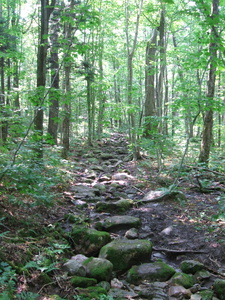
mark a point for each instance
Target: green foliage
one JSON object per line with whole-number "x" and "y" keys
{"x": 7, "y": 281}
{"x": 8, "y": 285}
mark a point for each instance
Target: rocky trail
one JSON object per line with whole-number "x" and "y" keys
{"x": 131, "y": 239}
{"x": 116, "y": 197}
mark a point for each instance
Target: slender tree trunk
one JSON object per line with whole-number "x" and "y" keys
{"x": 67, "y": 90}
{"x": 41, "y": 76}
{"x": 130, "y": 55}
{"x": 208, "y": 116}
{"x": 161, "y": 68}
{"x": 150, "y": 59}
{"x": 54, "y": 91}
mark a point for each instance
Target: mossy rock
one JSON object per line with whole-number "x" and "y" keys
{"x": 185, "y": 280}
{"x": 93, "y": 292}
{"x": 219, "y": 288}
{"x": 120, "y": 222}
{"x": 119, "y": 206}
{"x": 124, "y": 253}
{"x": 88, "y": 241}
{"x": 206, "y": 294}
{"x": 156, "y": 271}
{"x": 191, "y": 266}
{"x": 98, "y": 268}
{"x": 83, "y": 282}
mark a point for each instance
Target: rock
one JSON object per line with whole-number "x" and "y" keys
{"x": 106, "y": 156}
{"x": 219, "y": 288}
{"x": 122, "y": 294}
{"x": 163, "y": 196}
{"x": 206, "y": 294}
{"x": 84, "y": 282}
{"x": 116, "y": 283}
{"x": 79, "y": 258}
{"x": 100, "y": 187}
{"x": 83, "y": 191}
{"x": 120, "y": 222}
{"x": 92, "y": 292}
{"x": 74, "y": 267}
{"x": 132, "y": 234}
{"x": 88, "y": 241}
{"x": 191, "y": 266}
{"x": 156, "y": 271}
{"x": 119, "y": 206}
{"x": 124, "y": 253}
{"x": 202, "y": 275}
{"x": 182, "y": 279}
{"x": 154, "y": 291}
{"x": 122, "y": 176}
{"x": 179, "y": 292}
{"x": 98, "y": 268}
{"x": 104, "y": 284}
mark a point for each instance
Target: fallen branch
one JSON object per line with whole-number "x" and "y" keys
{"x": 179, "y": 251}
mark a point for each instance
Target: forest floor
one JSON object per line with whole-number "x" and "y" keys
{"x": 187, "y": 229}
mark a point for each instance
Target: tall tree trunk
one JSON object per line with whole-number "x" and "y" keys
{"x": 159, "y": 98}
{"x": 130, "y": 55}
{"x": 54, "y": 91}
{"x": 41, "y": 76}
{"x": 150, "y": 59}
{"x": 67, "y": 90}
{"x": 208, "y": 116}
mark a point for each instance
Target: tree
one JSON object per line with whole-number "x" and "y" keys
{"x": 131, "y": 47}
{"x": 150, "y": 64}
{"x": 46, "y": 11}
{"x": 54, "y": 88}
{"x": 208, "y": 114}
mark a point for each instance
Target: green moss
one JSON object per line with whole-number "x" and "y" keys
{"x": 191, "y": 266}
{"x": 206, "y": 295}
{"x": 183, "y": 279}
{"x": 98, "y": 268}
{"x": 92, "y": 292}
{"x": 125, "y": 253}
{"x": 219, "y": 288}
{"x": 83, "y": 282}
{"x": 157, "y": 271}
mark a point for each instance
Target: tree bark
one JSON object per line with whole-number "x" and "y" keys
{"x": 46, "y": 11}
{"x": 150, "y": 59}
{"x": 208, "y": 116}
{"x": 54, "y": 91}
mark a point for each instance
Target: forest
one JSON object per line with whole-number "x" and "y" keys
{"x": 112, "y": 162}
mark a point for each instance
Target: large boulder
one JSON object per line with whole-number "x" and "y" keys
{"x": 156, "y": 271}
{"x": 119, "y": 222}
{"x": 88, "y": 241}
{"x": 98, "y": 268}
{"x": 124, "y": 253}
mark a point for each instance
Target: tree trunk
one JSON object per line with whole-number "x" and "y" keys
{"x": 67, "y": 91}
{"x": 130, "y": 55}
{"x": 54, "y": 91}
{"x": 41, "y": 76}
{"x": 150, "y": 125}
{"x": 208, "y": 116}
